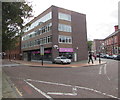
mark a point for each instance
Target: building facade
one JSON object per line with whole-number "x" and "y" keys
{"x": 98, "y": 46}
{"x": 110, "y": 45}
{"x": 61, "y": 32}
{"x": 14, "y": 53}
{"x": 112, "y": 42}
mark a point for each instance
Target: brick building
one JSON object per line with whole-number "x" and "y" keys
{"x": 14, "y": 53}
{"x": 61, "y": 32}
{"x": 98, "y": 46}
{"x": 110, "y": 45}
{"x": 112, "y": 42}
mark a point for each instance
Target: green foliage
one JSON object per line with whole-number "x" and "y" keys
{"x": 13, "y": 15}
{"x": 89, "y": 43}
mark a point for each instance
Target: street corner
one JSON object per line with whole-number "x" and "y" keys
{"x": 96, "y": 63}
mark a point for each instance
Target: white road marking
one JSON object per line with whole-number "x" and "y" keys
{"x": 77, "y": 87}
{"x": 107, "y": 77}
{"x": 74, "y": 89}
{"x": 49, "y": 82}
{"x": 58, "y": 93}
{"x": 43, "y": 93}
{"x": 105, "y": 69}
{"x": 100, "y": 70}
{"x": 9, "y": 65}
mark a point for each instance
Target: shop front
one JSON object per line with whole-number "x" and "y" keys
{"x": 67, "y": 52}
{"x": 35, "y": 55}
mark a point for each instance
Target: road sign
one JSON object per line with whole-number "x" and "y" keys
{"x": 41, "y": 50}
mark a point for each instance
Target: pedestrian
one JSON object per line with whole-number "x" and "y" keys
{"x": 90, "y": 58}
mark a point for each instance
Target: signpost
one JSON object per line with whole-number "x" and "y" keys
{"x": 42, "y": 52}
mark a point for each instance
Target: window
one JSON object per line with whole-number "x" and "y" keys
{"x": 64, "y": 16}
{"x": 49, "y": 39}
{"x": 38, "y": 41}
{"x": 43, "y": 29}
{"x": 44, "y": 40}
{"x": 65, "y": 39}
{"x": 39, "y": 22}
{"x": 65, "y": 28}
{"x": 41, "y": 41}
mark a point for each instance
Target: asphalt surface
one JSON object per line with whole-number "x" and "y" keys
{"x": 100, "y": 81}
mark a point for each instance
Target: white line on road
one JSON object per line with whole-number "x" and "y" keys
{"x": 107, "y": 77}
{"x": 44, "y": 94}
{"x": 74, "y": 89}
{"x": 10, "y": 65}
{"x": 58, "y": 93}
{"x": 49, "y": 82}
{"x": 79, "y": 87}
{"x": 100, "y": 70}
{"x": 105, "y": 69}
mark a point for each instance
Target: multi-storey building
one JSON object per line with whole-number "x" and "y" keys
{"x": 61, "y": 32}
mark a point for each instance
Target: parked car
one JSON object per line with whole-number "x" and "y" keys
{"x": 117, "y": 58}
{"x": 114, "y": 56}
{"x": 103, "y": 56}
{"x": 106, "y": 56}
{"x": 62, "y": 60}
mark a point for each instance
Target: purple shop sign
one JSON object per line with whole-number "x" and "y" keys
{"x": 46, "y": 51}
{"x": 35, "y": 52}
{"x": 65, "y": 49}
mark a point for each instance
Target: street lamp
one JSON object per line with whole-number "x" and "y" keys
{"x": 42, "y": 52}
{"x": 56, "y": 46}
{"x": 99, "y": 54}
{"x": 77, "y": 53}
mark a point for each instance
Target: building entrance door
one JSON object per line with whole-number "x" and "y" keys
{"x": 75, "y": 56}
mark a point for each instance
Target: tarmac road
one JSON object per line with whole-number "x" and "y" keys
{"x": 100, "y": 81}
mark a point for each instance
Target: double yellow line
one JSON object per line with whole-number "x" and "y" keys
{"x": 18, "y": 91}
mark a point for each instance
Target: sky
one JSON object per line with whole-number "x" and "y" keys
{"x": 101, "y": 15}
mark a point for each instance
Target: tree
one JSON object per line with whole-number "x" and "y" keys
{"x": 13, "y": 15}
{"x": 89, "y": 45}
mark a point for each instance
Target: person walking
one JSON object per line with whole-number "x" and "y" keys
{"x": 90, "y": 58}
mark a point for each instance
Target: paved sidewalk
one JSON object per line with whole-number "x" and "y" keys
{"x": 8, "y": 90}
{"x": 48, "y": 64}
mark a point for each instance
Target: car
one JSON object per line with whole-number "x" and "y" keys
{"x": 117, "y": 58}
{"x": 114, "y": 56}
{"x": 103, "y": 56}
{"x": 62, "y": 60}
{"x": 106, "y": 56}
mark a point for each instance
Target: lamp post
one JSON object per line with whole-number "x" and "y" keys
{"x": 56, "y": 51}
{"x": 56, "y": 47}
{"x": 77, "y": 53}
{"x": 99, "y": 54}
{"x": 42, "y": 52}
